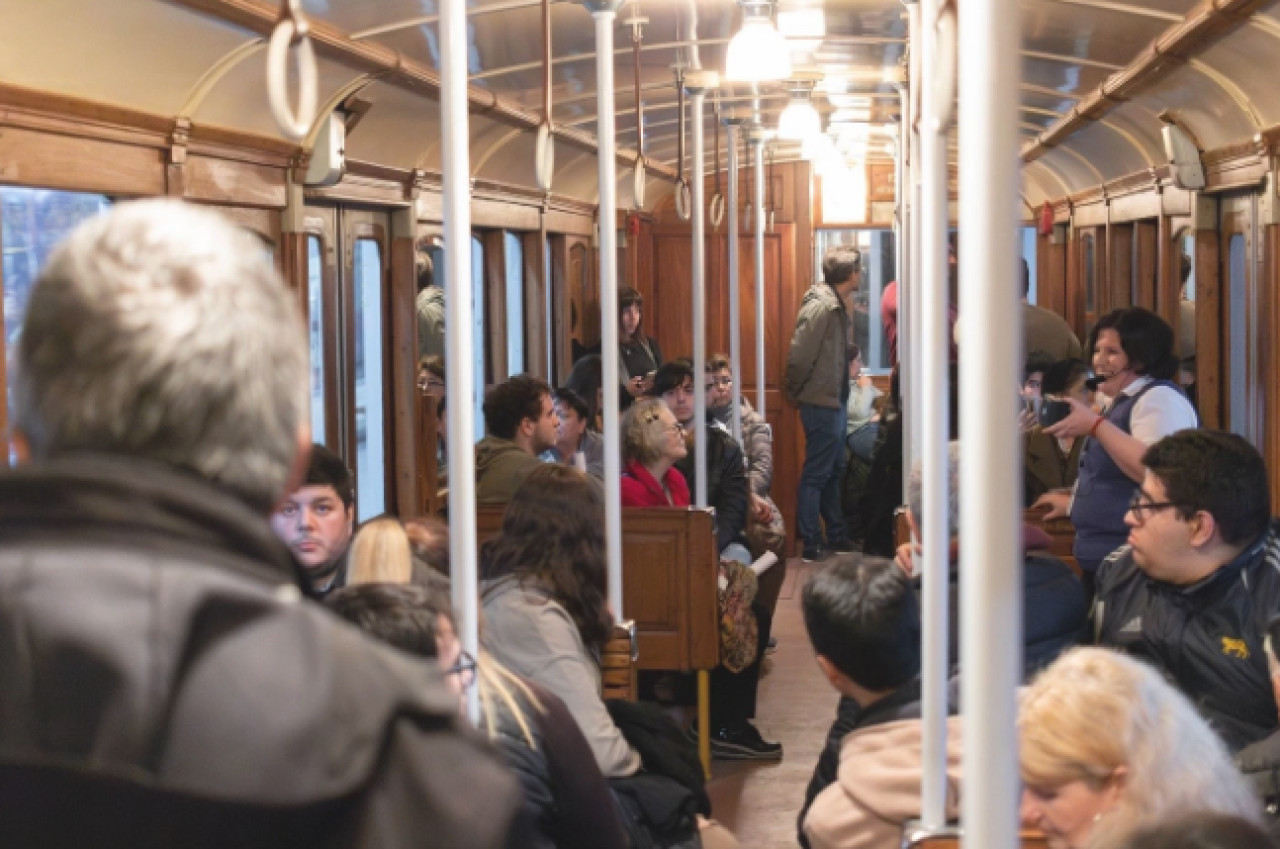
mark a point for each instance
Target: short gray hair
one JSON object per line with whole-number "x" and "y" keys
{"x": 915, "y": 491}
{"x": 161, "y": 331}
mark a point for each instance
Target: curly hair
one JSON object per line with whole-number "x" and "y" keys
{"x": 553, "y": 536}
{"x": 1145, "y": 338}
{"x": 1094, "y": 711}
{"x": 508, "y": 404}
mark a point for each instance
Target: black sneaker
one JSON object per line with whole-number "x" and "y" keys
{"x": 814, "y": 554}
{"x": 744, "y": 743}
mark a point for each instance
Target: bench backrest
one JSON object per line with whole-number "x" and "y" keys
{"x": 669, "y": 571}
{"x": 949, "y": 838}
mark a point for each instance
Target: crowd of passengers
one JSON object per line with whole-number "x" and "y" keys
{"x": 195, "y": 633}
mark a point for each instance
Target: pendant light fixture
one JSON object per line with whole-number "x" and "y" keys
{"x": 800, "y": 120}
{"x": 758, "y": 53}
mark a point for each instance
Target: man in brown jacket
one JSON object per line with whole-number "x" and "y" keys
{"x": 163, "y": 682}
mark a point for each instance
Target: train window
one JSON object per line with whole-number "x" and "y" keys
{"x": 1238, "y": 335}
{"x": 32, "y": 223}
{"x": 877, "y": 248}
{"x": 315, "y": 333}
{"x": 1028, "y": 252}
{"x": 1187, "y": 312}
{"x": 370, "y": 459}
{"x": 477, "y": 332}
{"x": 514, "y": 265}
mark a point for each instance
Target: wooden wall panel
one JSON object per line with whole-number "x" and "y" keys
{"x": 238, "y": 183}
{"x": 1118, "y": 289}
{"x": 495, "y": 307}
{"x": 536, "y": 290}
{"x": 1145, "y": 263}
{"x": 45, "y": 160}
{"x": 668, "y": 313}
{"x": 1168, "y": 276}
{"x": 402, "y": 318}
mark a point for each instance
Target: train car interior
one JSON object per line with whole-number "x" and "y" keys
{"x": 742, "y": 141}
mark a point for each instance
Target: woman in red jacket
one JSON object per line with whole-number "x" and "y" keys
{"x": 652, "y": 441}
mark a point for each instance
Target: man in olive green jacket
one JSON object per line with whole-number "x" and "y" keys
{"x": 817, "y": 380}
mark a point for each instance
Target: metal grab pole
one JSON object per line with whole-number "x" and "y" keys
{"x": 696, "y": 88}
{"x": 735, "y": 280}
{"x": 990, "y": 482}
{"x": 460, "y": 372}
{"x": 933, "y": 418}
{"x": 757, "y": 218}
{"x": 906, "y": 273}
{"x": 603, "y": 11}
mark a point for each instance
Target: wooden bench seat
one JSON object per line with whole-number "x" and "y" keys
{"x": 915, "y": 837}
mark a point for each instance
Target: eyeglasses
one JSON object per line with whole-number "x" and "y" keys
{"x": 722, "y": 382}
{"x": 464, "y": 668}
{"x": 1141, "y": 509}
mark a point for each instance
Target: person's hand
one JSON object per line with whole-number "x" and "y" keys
{"x": 1057, "y": 503}
{"x": 1026, "y": 420}
{"x": 760, "y": 509}
{"x": 903, "y": 557}
{"x": 864, "y": 381}
{"x": 1079, "y": 422}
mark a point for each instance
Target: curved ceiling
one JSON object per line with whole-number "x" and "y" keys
{"x": 205, "y": 59}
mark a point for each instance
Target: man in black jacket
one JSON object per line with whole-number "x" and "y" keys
{"x": 163, "y": 682}
{"x": 1199, "y": 579}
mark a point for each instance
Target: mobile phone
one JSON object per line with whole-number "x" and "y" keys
{"x": 1054, "y": 411}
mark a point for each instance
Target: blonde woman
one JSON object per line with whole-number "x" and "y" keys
{"x": 1108, "y": 747}
{"x": 652, "y": 442}
{"x": 380, "y": 553}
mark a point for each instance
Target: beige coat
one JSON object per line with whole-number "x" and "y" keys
{"x": 877, "y": 788}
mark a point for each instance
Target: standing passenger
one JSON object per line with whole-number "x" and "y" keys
{"x": 817, "y": 380}
{"x": 638, "y": 355}
{"x": 171, "y": 687}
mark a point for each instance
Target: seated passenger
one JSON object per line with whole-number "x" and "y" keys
{"x": 576, "y": 444}
{"x": 864, "y": 622}
{"x": 171, "y": 688}
{"x": 380, "y": 553}
{"x": 431, "y": 375}
{"x": 652, "y": 442}
{"x": 521, "y": 422}
{"x": 1108, "y": 747}
{"x": 1033, "y": 370}
{"x": 1195, "y": 587}
{"x": 1054, "y": 607}
{"x": 430, "y": 308}
{"x": 566, "y": 801}
{"x": 862, "y": 424}
{"x": 726, "y": 476}
{"x": 1052, "y": 463}
{"x": 1260, "y": 761}
{"x": 317, "y": 519}
{"x": 543, "y": 601}
{"x": 586, "y": 380}
{"x": 1202, "y": 831}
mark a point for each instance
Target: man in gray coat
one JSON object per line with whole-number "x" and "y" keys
{"x": 817, "y": 380}
{"x": 163, "y": 681}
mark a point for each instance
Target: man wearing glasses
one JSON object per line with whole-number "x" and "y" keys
{"x": 1199, "y": 579}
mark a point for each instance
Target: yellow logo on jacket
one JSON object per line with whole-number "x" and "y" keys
{"x": 1232, "y": 647}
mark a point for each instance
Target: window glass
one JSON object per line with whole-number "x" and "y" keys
{"x": 1029, "y": 254}
{"x": 877, "y": 249}
{"x": 1187, "y": 312}
{"x": 33, "y": 222}
{"x": 477, "y": 333}
{"x": 315, "y": 332}
{"x": 370, "y": 457}
{"x": 514, "y": 257}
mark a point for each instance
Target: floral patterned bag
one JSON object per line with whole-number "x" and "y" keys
{"x": 739, "y": 630}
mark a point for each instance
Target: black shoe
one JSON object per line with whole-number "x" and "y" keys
{"x": 744, "y": 743}
{"x": 814, "y": 554}
{"x": 771, "y": 646}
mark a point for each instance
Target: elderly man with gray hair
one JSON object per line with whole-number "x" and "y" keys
{"x": 1054, "y": 606}
{"x": 163, "y": 682}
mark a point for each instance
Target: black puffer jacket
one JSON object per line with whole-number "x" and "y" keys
{"x": 163, "y": 683}
{"x": 1206, "y": 637}
{"x": 727, "y": 488}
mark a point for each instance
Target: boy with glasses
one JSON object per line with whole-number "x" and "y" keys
{"x": 1193, "y": 589}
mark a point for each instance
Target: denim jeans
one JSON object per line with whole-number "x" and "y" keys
{"x": 819, "y": 493}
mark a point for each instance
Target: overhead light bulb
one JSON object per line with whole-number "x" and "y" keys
{"x": 758, "y": 53}
{"x": 799, "y": 120}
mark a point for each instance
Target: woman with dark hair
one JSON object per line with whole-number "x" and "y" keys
{"x": 638, "y": 355}
{"x": 543, "y": 594}
{"x": 1134, "y": 365}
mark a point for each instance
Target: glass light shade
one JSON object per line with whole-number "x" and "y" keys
{"x": 799, "y": 121}
{"x": 758, "y": 53}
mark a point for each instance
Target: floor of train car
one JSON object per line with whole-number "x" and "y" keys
{"x": 759, "y": 801}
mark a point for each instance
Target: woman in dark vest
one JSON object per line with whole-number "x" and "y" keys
{"x": 1133, "y": 364}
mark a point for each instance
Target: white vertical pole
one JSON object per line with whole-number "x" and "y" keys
{"x": 603, "y": 12}
{"x": 697, "y": 92}
{"x": 735, "y": 280}
{"x": 757, "y": 218}
{"x": 460, "y": 371}
{"x": 933, "y": 417}
{"x": 991, "y": 564}
{"x": 914, "y": 399}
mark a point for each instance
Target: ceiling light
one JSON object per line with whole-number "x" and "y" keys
{"x": 806, "y": 23}
{"x": 758, "y": 53}
{"x": 799, "y": 121}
